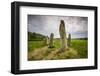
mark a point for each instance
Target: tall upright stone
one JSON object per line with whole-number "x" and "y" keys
{"x": 69, "y": 40}
{"x": 51, "y": 43}
{"x": 46, "y": 40}
{"x": 63, "y": 38}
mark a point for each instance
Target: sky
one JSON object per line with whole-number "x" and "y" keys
{"x": 46, "y": 24}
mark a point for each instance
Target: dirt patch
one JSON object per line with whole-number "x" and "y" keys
{"x": 46, "y": 53}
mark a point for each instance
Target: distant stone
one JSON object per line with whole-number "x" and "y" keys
{"x": 46, "y": 40}
{"x": 51, "y": 43}
{"x": 69, "y": 40}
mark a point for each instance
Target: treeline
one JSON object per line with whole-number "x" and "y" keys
{"x": 74, "y": 38}
{"x": 80, "y": 39}
{"x": 35, "y": 36}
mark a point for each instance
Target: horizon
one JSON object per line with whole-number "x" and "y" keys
{"x": 76, "y": 26}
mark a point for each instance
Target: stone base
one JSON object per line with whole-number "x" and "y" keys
{"x": 51, "y": 47}
{"x": 63, "y": 50}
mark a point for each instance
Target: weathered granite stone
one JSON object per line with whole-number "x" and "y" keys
{"x": 69, "y": 40}
{"x": 47, "y": 40}
{"x": 63, "y": 38}
{"x": 51, "y": 43}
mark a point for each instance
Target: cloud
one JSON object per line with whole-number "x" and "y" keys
{"x": 77, "y": 26}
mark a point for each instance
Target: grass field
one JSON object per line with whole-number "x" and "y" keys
{"x": 32, "y": 45}
{"x": 81, "y": 46}
{"x": 37, "y": 50}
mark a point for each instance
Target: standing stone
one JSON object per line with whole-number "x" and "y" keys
{"x": 63, "y": 38}
{"x": 51, "y": 44}
{"x": 69, "y": 40}
{"x": 46, "y": 40}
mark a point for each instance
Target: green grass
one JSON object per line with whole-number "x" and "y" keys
{"x": 57, "y": 43}
{"x": 78, "y": 47}
{"x": 34, "y": 45}
{"x": 81, "y": 46}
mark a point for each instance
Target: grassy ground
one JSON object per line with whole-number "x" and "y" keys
{"x": 81, "y": 46}
{"x": 32, "y": 45}
{"x": 37, "y": 50}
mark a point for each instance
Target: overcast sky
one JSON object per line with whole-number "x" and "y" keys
{"x": 76, "y": 26}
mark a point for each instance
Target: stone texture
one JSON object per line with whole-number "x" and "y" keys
{"x": 69, "y": 40}
{"x": 51, "y": 43}
{"x": 46, "y": 40}
{"x": 63, "y": 38}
